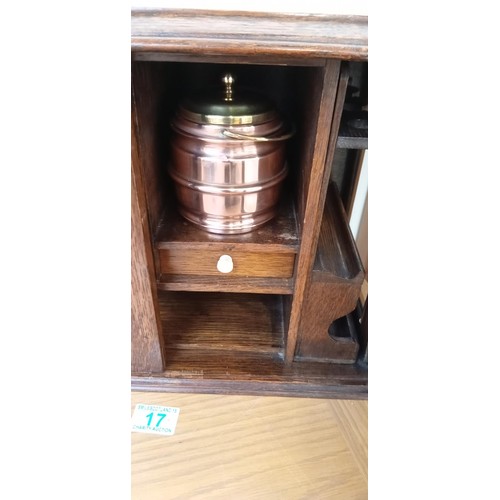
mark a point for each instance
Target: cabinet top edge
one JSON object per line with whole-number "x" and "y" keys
{"x": 189, "y": 12}
{"x": 250, "y": 33}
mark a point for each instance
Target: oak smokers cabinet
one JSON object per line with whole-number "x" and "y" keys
{"x": 285, "y": 320}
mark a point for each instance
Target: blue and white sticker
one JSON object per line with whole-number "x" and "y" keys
{"x": 153, "y": 419}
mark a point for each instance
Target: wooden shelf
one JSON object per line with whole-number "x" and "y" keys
{"x": 243, "y": 373}
{"x": 351, "y": 137}
{"x": 179, "y": 283}
{"x": 279, "y": 234}
{"x": 352, "y": 142}
{"x": 234, "y": 343}
{"x": 223, "y": 322}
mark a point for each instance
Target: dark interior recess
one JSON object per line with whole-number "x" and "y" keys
{"x": 159, "y": 87}
{"x": 343, "y": 329}
{"x": 353, "y": 133}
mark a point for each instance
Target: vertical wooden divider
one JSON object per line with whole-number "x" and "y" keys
{"x": 331, "y": 104}
{"x": 147, "y": 340}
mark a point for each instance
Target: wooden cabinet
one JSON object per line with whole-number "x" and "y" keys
{"x": 265, "y": 327}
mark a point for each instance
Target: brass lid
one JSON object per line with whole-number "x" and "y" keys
{"x": 227, "y": 106}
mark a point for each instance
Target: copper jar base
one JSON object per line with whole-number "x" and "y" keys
{"x": 227, "y": 225}
{"x": 228, "y": 209}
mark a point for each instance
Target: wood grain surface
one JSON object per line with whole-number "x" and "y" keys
{"x": 222, "y": 322}
{"x": 150, "y": 83}
{"x": 248, "y": 33}
{"x": 239, "y": 447}
{"x": 147, "y": 341}
{"x": 190, "y": 283}
{"x": 326, "y": 302}
{"x": 337, "y": 255}
{"x": 326, "y": 134}
{"x": 229, "y": 343}
{"x": 335, "y": 286}
{"x": 245, "y": 264}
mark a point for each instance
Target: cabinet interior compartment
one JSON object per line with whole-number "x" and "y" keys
{"x": 230, "y": 327}
{"x": 229, "y": 342}
{"x": 221, "y": 324}
{"x": 338, "y": 273}
{"x": 353, "y": 134}
{"x": 158, "y": 87}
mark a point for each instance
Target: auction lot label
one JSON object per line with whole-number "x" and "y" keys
{"x": 153, "y": 419}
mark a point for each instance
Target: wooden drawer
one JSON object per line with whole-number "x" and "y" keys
{"x": 263, "y": 261}
{"x": 203, "y": 262}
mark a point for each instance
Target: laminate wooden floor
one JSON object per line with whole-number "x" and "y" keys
{"x": 239, "y": 447}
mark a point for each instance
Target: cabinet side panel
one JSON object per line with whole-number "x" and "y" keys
{"x": 326, "y": 302}
{"x": 304, "y": 145}
{"x": 151, "y": 83}
{"x": 146, "y": 339}
{"x": 314, "y": 179}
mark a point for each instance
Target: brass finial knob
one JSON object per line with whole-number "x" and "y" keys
{"x": 228, "y": 80}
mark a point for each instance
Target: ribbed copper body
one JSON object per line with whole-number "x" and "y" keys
{"x": 228, "y": 185}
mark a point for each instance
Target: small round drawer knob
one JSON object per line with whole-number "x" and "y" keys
{"x": 225, "y": 264}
